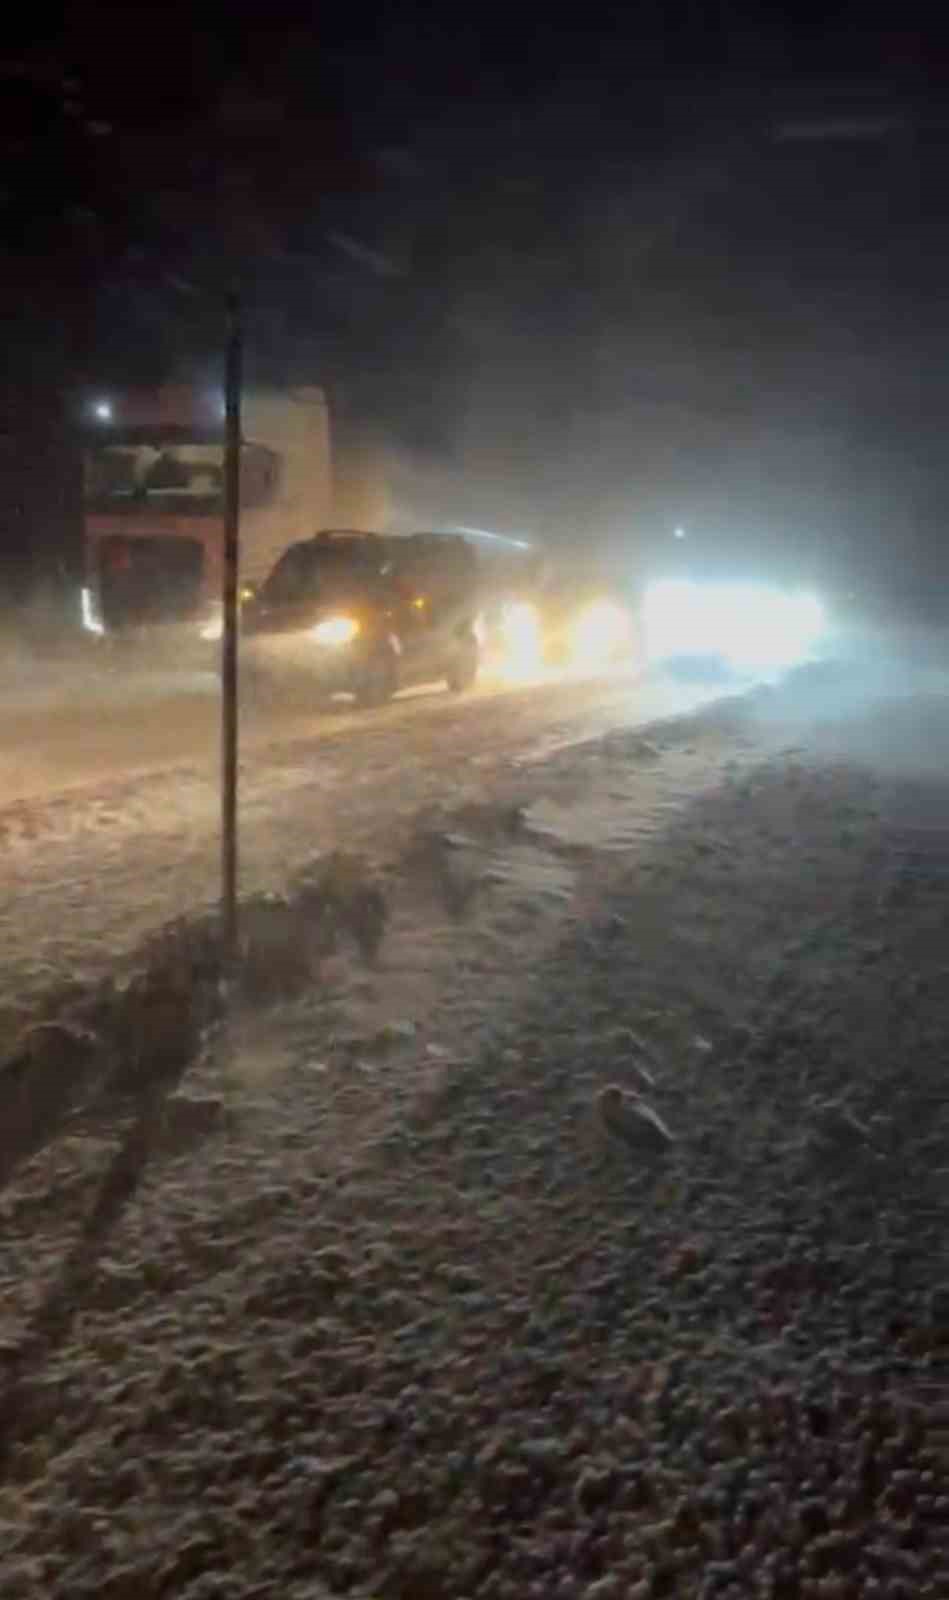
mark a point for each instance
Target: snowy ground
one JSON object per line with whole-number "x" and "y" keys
{"x": 393, "y": 1313}
{"x": 109, "y": 822}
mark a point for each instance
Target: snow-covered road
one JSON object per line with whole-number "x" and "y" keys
{"x": 109, "y": 809}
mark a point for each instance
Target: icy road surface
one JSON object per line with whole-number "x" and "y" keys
{"x": 109, "y": 809}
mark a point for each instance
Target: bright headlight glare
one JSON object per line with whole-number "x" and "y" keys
{"x": 519, "y": 637}
{"x": 336, "y": 631}
{"x": 520, "y": 624}
{"x": 520, "y": 628}
{"x": 599, "y": 632}
{"x": 747, "y": 624}
{"x": 213, "y": 628}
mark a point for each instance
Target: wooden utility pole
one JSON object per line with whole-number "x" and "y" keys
{"x": 229, "y": 606}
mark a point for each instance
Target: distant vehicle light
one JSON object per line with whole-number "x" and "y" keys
{"x": 91, "y": 621}
{"x": 336, "y": 631}
{"x": 103, "y": 410}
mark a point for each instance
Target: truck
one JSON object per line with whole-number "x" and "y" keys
{"x": 153, "y": 535}
{"x": 153, "y": 502}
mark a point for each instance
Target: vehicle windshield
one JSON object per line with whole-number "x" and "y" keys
{"x": 178, "y": 475}
{"x": 311, "y": 572}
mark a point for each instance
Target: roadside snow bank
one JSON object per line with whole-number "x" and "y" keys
{"x": 416, "y": 1325}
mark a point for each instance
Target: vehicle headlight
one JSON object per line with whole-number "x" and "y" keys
{"x": 91, "y": 620}
{"x": 336, "y": 631}
{"x": 600, "y": 631}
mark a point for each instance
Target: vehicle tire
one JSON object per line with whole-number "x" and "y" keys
{"x": 463, "y": 671}
{"x": 378, "y": 678}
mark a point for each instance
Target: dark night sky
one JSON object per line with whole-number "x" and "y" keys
{"x": 586, "y": 262}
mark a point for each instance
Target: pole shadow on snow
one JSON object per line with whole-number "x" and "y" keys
{"x": 154, "y": 1034}
{"x": 51, "y": 1324}
{"x": 124, "y": 1057}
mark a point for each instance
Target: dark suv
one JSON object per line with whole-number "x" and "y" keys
{"x": 367, "y": 614}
